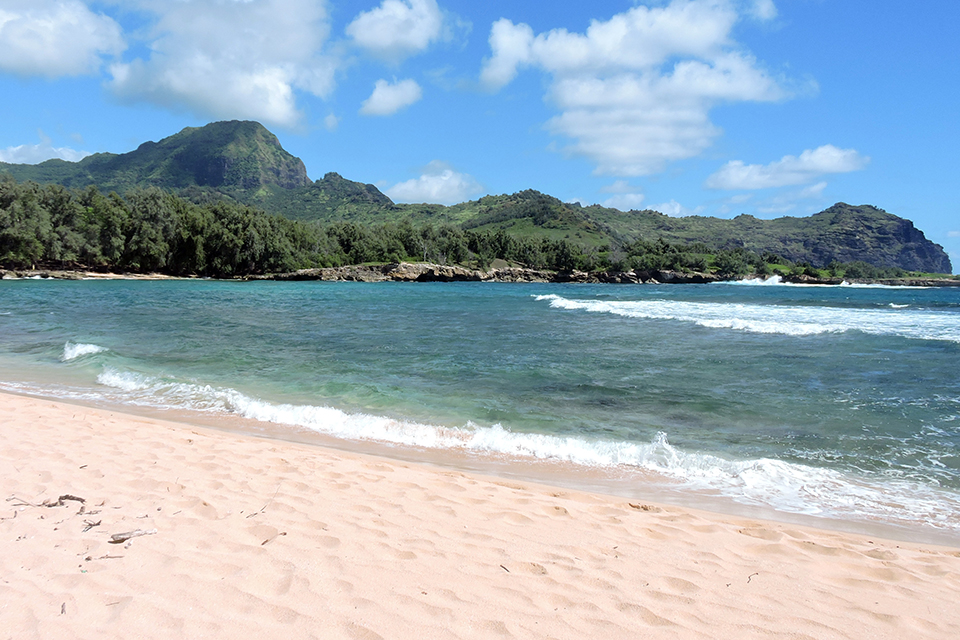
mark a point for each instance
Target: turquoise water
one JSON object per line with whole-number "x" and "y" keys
{"x": 841, "y": 402}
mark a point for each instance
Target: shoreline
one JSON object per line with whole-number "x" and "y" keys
{"x": 264, "y": 537}
{"x": 623, "y": 482}
{"x": 429, "y": 272}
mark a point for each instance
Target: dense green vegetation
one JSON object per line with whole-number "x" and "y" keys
{"x": 150, "y": 230}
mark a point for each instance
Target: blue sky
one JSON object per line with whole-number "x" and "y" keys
{"x": 709, "y": 107}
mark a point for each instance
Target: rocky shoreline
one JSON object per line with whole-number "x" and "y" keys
{"x": 427, "y": 272}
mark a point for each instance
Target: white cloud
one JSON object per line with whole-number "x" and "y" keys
{"x": 953, "y": 234}
{"x": 635, "y": 92}
{"x": 813, "y": 191}
{"x": 34, "y": 153}
{"x": 625, "y": 201}
{"x": 331, "y": 122}
{"x": 788, "y": 200}
{"x": 439, "y": 184}
{"x": 511, "y": 45}
{"x": 789, "y": 170}
{"x": 620, "y": 186}
{"x": 675, "y": 210}
{"x": 397, "y": 29}
{"x": 55, "y": 38}
{"x": 762, "y": 10}
{"x": 387, "y": 98}
{"x": 625, "y": 198}
{"x": 231, "y": 58}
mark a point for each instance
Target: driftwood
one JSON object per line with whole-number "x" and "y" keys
{"x": 59, "y": 501}
{"x": 117, "y": 538}
{"x": 47, "y": 503}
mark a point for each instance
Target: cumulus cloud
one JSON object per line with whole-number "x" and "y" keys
{"x": 331, "y": 122}
{"x": 953, "y": 234}
{"x": 439, "y": 184}
{"x": 387, "y": 98}
{"x": 231, "y": 58}
{"x": 44, "y": 150}
{"x": 635, "y": 92}
{"x": 789, "y": 170}
{"x": 397, "y": 29}
{"x": 55, "y": 38}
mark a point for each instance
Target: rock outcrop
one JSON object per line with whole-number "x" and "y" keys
{"x": 426, "y": 272}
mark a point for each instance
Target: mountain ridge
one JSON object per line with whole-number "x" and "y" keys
{"x": 242, "y": 161}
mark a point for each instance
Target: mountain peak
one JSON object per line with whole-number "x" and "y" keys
{"x": 233, "y": 155}
{"x": 227, "y": 156}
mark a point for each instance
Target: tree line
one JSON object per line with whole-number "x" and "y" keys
{"x": 150, "y": 230}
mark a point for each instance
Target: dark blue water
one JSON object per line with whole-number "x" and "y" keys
{"x": 837, "y": 401}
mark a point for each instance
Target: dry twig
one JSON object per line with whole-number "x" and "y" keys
{"x": 90, "y": 525}
{"x": 117, "y": 538}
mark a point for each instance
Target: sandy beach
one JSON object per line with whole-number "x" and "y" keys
{"x": 239, "y": 536}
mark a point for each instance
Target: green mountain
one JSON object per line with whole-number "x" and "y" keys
{"x": 245, "y": 163}
{"x": 237, "y": 159}
{"x": 843, "y": 233}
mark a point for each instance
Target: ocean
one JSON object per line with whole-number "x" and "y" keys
{"x": 825, "y": 404}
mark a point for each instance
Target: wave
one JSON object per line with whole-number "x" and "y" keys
{"x": 786, "y": 486}
{"x": 72, "y": 351}
{"x": 772, "y": 281}
{"x": 791, "y": 320}
{"x": 778, "y": 281}
{"x": 864, "y": 285}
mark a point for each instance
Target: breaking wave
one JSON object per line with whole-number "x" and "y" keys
{"x": 72, "y": 351}
{"x": 787, "y": 486}
{"x": 793, "y": 320}
{"x": 778, "y": 281}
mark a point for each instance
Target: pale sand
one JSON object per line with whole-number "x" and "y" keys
{"x": 263, "y": 539}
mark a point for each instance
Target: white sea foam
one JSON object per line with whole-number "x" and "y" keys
{"x": 71, "y": 350}
{"x": 772, "y": 281}
{"x": 863, "y": 285}
{"x": 778, "y": 281}
{"x": 786, "y": 486}
{"x": 782, "y": 319}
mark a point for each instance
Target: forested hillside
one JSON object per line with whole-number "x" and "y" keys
{"x": 151, "y": 230}
{"x": 242, "y": 164}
